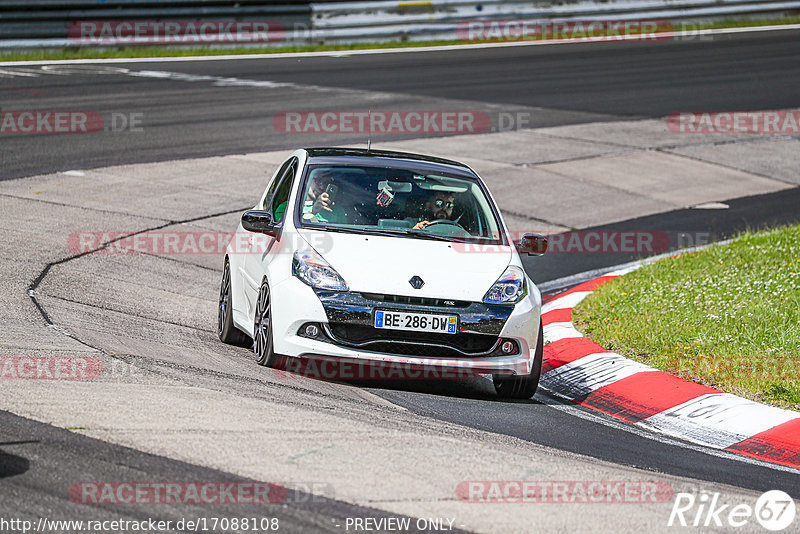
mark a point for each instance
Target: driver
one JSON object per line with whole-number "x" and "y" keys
{"x": 439, "y": 206}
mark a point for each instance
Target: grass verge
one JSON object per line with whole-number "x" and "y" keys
{"x": 159, "y": 51}
{"x": 727, "y": 316}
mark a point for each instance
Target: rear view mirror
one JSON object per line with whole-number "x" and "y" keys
{"x": 259, "y": 221}
{"x": 532, "y": 244}
{"x": 396, "y": 187}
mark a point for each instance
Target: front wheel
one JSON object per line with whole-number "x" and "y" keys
{"x": 522, "y": 387}
{"x": 263, "y": 344}
{"x": 226, "y": 330}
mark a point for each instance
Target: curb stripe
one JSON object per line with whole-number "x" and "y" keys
{"x": 564, "y": 351}
{"x": 548, "y": 298}
{"x": 718, "y": 420}
{"x": 566, "y": 301}
{"x": 580, "y": 378}
{"x": 780, "y": 444}
{"x": 550, "y": 302}
{"x": 644, "y": 394}
{"x": 558, "y": 331}
{"x": 563, "y": 315}
{"x": 589, "y": 285}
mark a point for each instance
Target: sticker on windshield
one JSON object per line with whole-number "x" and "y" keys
{"x": 385, "y": 197}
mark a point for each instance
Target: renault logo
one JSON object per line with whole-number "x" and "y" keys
{"x": 416, "y": 282}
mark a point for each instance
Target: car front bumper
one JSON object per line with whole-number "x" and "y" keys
{"x": 482, "y": 331}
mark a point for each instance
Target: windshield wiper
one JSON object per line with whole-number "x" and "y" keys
{"x": 421, "y": 234}
{"x": 342, "y": 229}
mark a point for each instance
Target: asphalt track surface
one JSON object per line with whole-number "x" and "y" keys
{"x": 39, "y": 464}
{"x": 565, "y": 84}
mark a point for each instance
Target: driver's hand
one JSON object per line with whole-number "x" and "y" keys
{"x": 421, "y": 225}
{"x": 322, "y": 203}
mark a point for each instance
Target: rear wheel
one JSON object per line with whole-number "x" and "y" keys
{"x": 263, "y": 344}
{"x": 522, "y": 387}
{"x": 227, "y": 332}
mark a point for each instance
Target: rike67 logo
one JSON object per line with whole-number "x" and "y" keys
{"x": 774, "y": 510}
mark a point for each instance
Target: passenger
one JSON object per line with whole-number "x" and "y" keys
{"x": 320, "y": 202}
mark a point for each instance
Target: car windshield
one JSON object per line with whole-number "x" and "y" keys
{"x": 391, "y": 201}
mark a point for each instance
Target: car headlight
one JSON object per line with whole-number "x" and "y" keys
{"x": 509, "y": 288}
{"x": 312, "y": 269}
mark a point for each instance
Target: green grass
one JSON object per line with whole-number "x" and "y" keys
{"x": 157, "y": 51}
{"x": 727, "y": 316}
{"x": 162, "y": 51}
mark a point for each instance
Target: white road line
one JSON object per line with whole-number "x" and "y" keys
{"x": 13, "y": 73}
{"x": 415, "y": 50}
{"x": 219, "y": 81}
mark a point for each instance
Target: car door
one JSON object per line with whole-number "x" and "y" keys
{"x": 261, "y": 247}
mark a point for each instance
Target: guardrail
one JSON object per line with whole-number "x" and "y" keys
{"x": 447, "y": 19}
{"x": 75, "y": 23}
{"x": 36, "y": 23}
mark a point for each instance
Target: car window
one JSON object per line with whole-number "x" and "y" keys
{"x": 273, "y": 186}
{"x": 281, "y": 197}
{"x": 398, "y": 201}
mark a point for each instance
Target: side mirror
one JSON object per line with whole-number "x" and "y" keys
{"x": 260, "y": 222}
{"x": 532, "y": 244}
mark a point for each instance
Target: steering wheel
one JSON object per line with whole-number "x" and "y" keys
{"x": 447, "y": 228}
{"x": 444, "y": 221}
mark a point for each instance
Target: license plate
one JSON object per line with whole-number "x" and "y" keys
{"x": 416, "y": 322}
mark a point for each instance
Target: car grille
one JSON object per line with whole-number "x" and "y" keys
{"x": 416, "y": 301}
{"x": 422, "y": 344}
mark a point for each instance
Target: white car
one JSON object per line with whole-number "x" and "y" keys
{"x": 377, "y": 258}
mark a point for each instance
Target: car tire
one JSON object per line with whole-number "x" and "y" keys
{"x": 263, "y": 340}
{"x": 522, "y": 387}
{"x": 226, "y": 330}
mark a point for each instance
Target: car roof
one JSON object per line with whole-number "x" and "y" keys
{"x": 361, "y": 156}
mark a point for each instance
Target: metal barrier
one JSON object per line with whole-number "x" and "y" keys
{"x": 449, "y": 19}
{"x": 71, "y": 23}
{"x": 56, "y": 23}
